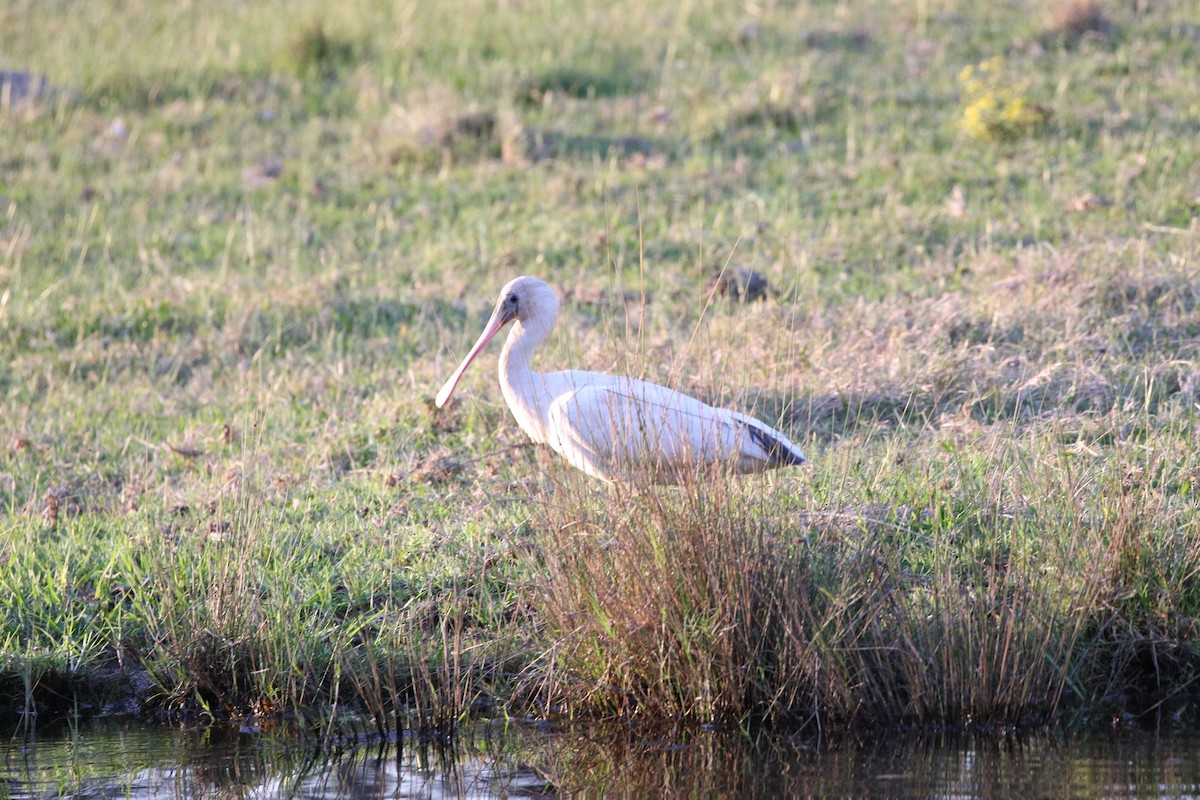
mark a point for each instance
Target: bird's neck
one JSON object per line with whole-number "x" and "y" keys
{"x": 516, "y": 359}
{"x": 522, "y": 386}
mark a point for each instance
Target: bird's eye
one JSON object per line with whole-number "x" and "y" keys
{"x": 512, "y": 298}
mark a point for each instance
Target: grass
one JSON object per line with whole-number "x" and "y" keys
{"x": 237, "y": 260}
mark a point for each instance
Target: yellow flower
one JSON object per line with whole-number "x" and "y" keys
{"x": 992, "y": 109}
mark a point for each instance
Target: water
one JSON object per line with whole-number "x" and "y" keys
{"x": 123, "y": 759}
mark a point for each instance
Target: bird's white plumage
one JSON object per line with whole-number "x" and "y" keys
{"x": 609, "y": 426}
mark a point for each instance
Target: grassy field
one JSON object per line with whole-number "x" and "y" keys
{"x": 241, "y": 246}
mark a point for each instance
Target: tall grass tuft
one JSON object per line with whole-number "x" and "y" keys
{"x": 659, "y": 608}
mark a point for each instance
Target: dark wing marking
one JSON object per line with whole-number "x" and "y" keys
{"x": 778, "y": 453}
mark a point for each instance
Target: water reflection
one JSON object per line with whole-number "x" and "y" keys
{"x": 130, "y": 760}
{"x": 1089, "y": 764}
{"x": 121, "y": 759}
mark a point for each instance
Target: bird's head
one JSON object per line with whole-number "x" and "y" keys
{"x": 528, "y": 301}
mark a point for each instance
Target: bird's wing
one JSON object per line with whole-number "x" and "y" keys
{"x": 629, "y": 423}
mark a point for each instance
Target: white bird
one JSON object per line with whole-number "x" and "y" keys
{"x": 609, "y": 426}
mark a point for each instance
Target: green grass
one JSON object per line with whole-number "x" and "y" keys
{"x": 240, "y": 249}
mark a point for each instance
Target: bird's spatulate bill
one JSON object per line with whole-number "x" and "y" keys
{"x": 491, "y": 329}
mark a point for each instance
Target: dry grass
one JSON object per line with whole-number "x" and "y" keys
{"x": 1076, "y": 18}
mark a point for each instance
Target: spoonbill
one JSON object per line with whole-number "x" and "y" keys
{"x": 614, "y": 427}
